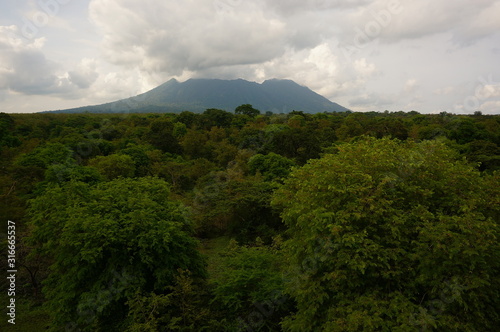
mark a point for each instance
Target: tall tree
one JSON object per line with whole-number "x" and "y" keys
{"x": 109, "y": 243}
{"x": 114, "y": 166}
{"x": 247, "y": 109}
{"x": 392, "y": 236}
{"x": 160, "y": 135}
{"x": 272, "y": 166}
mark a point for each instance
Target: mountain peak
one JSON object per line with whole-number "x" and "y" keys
{"x": 279, "y": 80}
{"x": 199, "y": 94}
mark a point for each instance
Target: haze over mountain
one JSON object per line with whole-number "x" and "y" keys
{"x": 197, "y": 95}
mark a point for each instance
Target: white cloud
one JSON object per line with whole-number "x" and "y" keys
{"x": 364, "y": 68}
{"x": 485, "y": 23}
{"x": 292, "y": 7}
{"x": 85, "y": 74}
{"x": 410, "y": 85}
{"x": 25, "y": 70}
{"x": 371, "y": 101}
{"x": 417, "y": 19}
{"x": 116, "y": 85}
{"x": 392, "y": 21}
{"x": 490, "y": 107}
{"x": 488, "y": 91}
{"x": 445, "y": 91}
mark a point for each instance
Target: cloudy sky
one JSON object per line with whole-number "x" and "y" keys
{"x": 427, "y": 55}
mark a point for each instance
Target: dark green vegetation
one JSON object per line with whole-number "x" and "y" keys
{"x": 248, "y": 222}
{"x": 196, "y": 95}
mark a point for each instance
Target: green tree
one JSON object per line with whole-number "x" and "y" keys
{"x": 224, "y": 152}
{"x": 226, "y": 202}
{"x": 138, "y": 153}
{"x": 272, "y": 166}
{"x": 161, "y": 136}
{"x": 352, "y": 126}
{"x": 215, "y": 117}
{"x": 486, "y": 153}
{"x": 250, "y": 289}
{"x": 194, "y": 144}
{"x": 109, "y": 243}
{"x": 466, "y": 130}
{"x": 114, "y": 166}
{"x": 392, "y": 236}
{"x": 6, "y": 128}
{"x": 180, "y": 129}
{"x": 296, "y": 121}
{"x": 62, "y": 173}
{"x": 187, "y": 118}
{"x": 31, "y": 167}
{"x": 300, "y": 144}
{"x": 247, "y": 109}
{"x": 184, "y": 308}
{"x": 432, "y": 131}
{"x": 45, "y": 155}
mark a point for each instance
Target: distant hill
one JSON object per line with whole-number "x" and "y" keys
{"x": 197, "y": 95}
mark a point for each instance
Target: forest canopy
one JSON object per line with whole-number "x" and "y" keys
{"x": 242, "y": 221}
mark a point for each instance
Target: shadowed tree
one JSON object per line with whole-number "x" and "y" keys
{"x": 247, "y": 109}
{"x": 160, "y": 135}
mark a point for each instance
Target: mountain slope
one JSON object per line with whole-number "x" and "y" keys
{"x": 197, "y": 95}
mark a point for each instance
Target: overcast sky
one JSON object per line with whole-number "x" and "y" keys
{"x": 367, "y": 55}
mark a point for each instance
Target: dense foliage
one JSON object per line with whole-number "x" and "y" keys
{"x": 381, "y": 221}
{"x": 108, "y": 242}
{"x": 391, "y": 236}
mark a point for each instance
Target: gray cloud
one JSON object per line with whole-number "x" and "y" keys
{"x": 193, "y": 36}
{"x": 173, "y": 37}
{"x": 292, "y": 7}
{"x": 197, "y": 35}
{"x": 465, "y": 20}
{"x": 84, "y": 75}
{"x": 356, "y": 52}
{"x": 25, "y": 69}
{"x": 371, "y": 100}
{"x": 32, "y": 73}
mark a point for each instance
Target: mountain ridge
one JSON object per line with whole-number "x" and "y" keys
{"x": 197, "y": 95}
